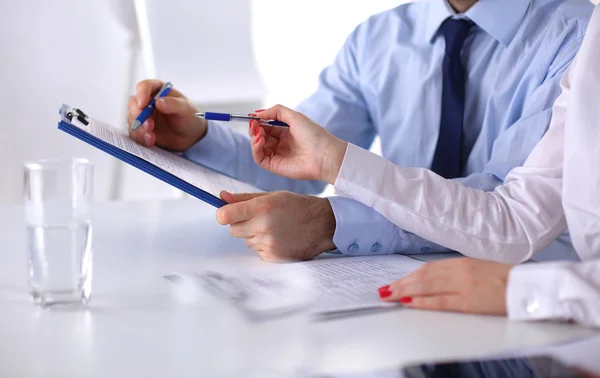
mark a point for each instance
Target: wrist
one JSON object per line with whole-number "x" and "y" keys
{"x": 324, "y": 218}
{"x": 202, "y": 127}
{"x": 332, "y": 160}
{"x": 194, "y": 132}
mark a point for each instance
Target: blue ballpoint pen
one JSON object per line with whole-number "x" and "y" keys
{"x": 209, "y": 116}
{"x": 147, "y": 112}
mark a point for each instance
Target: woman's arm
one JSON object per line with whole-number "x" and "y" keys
{"x": 507, "y": 225}
{"x": 581, "y": 191}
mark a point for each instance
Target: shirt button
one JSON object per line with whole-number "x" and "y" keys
{"x": 532, "y": 306}
{"x": 376, "y": 248}
{"x": 353, "y": 248}
{"x": 425, "y": 249}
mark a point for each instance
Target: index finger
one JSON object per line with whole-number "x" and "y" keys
{"x": 145, "y": 90}
{"x": 436, "y": 286}
{"x": 235, "y": 213}
{"x": 279, "y": 113}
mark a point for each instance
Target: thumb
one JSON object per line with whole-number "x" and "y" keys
{"x": 181, "y": 107}
{"x": 239, "y": 197}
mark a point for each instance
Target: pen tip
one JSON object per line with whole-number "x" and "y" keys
{"x": 136, "y": 124}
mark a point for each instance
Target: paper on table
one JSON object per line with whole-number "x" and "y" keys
{"x": 339, "y": 285}
{"x": 348, "y": 284}
{"x": 201, "y": 177}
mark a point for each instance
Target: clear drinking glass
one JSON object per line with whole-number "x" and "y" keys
{"x": 58, "y": 208}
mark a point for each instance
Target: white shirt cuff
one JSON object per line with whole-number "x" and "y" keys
{"x": 533, "y": 292}
{"x": 361, "y": 175}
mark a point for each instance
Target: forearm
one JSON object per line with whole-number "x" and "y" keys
{"x": 409, "y": 243}
{"x": 508, "y": 225}
{"x": 567, "y": 291}
{"x": 361, "y": 230}
{"x": 227, "y": 151}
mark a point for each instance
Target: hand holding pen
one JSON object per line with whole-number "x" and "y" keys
{"x": 149, "y": 109}
{"x": 169, "y": 119}
{"x": 302, "y": 151}
{"x": 172, "y": 125}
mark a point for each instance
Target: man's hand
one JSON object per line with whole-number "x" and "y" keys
{"x": 280, "y": 226}
{"x": 458, "y": 284}
{"x": 172, "y": 125}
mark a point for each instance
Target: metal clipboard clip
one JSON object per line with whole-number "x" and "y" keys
{"x": 79, "y": 115}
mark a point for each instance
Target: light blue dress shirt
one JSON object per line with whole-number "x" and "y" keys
{"x": 387, "y": 81}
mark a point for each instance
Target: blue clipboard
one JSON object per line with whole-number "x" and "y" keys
{"x": 68, "y": 114}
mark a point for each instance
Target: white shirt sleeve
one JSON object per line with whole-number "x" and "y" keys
{"x": 569, "y": 291}
{"x": 508, "y": 225}
{"x": 581, "y": 192}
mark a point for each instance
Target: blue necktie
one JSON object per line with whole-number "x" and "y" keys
{"x": 446, "y": 161}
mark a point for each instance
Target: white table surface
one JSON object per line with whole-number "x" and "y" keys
{"x": 131, "y": 327}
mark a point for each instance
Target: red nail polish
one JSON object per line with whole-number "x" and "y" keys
{"x": 258, "y": 111}
{"x": 384, "y": 288}
{"x": 256, "y": 131}
{"x": 384, "y": 293}
{"x": 406, "y": 300}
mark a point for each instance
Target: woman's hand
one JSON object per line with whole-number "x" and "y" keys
{"x": 304, "y": 151}
{"x": 458, "y": 284}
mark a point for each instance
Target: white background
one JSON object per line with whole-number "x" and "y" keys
{"x": 78, "y": 52}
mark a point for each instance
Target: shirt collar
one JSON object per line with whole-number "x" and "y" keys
{"x": 499, "y": 18}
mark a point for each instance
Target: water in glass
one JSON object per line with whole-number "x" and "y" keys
{"x": 58, "y": 202}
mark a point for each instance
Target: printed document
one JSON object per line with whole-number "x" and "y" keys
{"x": 351, "y": 283}
{"x": 197, "y": 175}
{"x": 337, "y": 285}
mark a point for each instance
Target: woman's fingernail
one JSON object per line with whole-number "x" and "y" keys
{"x": 260, "y": 110}
{"x": 146, "y": 126}
{"x": 147, "y": 139}
{"x": 256, "y": 131}
{"x": 383, "y": 288}
{"x": 384, "y": 292}
{"x": 163, "y": 103}
{"x": 406, "y": 300}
